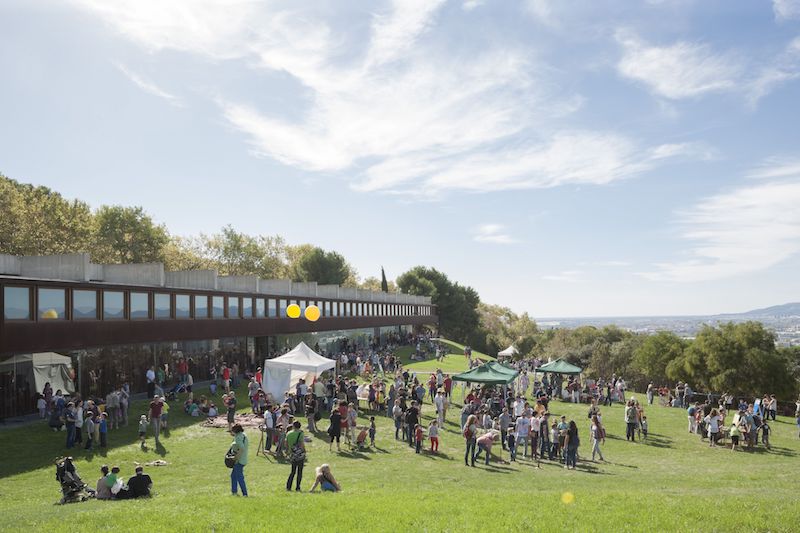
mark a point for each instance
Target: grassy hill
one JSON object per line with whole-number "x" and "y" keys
{"x": 454, "y": 362}
{"x": 671, "y": 482}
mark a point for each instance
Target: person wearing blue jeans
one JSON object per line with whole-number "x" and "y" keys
{"x": 469, "y": 432}
{"x": 571, "y": 443}
{"x": 239, "y": 448}
{"x": 69, "y": 418}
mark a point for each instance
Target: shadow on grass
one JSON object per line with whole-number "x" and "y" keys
{"x": 39, "y": 445}
{"x": 775, "y": 450}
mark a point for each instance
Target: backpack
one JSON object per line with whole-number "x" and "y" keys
{"x": 298, "y": 454}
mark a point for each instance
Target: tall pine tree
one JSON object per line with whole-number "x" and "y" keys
{"x": 384, "y": 283}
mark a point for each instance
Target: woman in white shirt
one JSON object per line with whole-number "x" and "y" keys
{"x": 712, "y": 424}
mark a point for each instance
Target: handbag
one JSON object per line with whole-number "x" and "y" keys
{"x": 230, "y": 458}
{"x": 298, "y": 453}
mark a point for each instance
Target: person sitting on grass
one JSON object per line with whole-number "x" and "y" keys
{"x": 325, "y": 480}
{"x": 103, "y": 488}
{"x": 140, "y": 485}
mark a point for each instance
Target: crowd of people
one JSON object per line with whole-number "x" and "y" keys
{"x": 517, "y": 416}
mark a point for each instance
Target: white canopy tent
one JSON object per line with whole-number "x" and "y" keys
{"x": 41, "y": 368}
{"x": 283, "y": 373}
{"x": 508, "y": 352}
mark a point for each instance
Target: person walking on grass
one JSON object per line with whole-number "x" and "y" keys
{"x": 433, "y": 435}
{"x": 239, "y": 448}
{"x": 598, "y": 435}
{"x": 156, "y": 407}
{"x": 297, "y": 454}
{"x": 470, "y": 437}
{"x": 143, "y": 431}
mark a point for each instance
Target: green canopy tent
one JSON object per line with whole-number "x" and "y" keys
{"x": 491, "y": 373}
{"x": 559, "y": 366}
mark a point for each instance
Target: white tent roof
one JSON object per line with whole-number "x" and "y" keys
{"x": 301, "y": 358}
{"x": 508, "y": 351}
{"x": 43, "y": 358}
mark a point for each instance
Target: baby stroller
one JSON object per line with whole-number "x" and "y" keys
{"x": 174, "y": 391}
{"x": 73, "y": 489}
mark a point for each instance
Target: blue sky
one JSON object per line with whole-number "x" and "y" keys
{"x": 597, "y": 158}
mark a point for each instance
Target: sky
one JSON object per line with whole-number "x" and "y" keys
{"x": 571, "y": 158}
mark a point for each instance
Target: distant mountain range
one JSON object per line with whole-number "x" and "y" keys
{"x": 790, "y": 309}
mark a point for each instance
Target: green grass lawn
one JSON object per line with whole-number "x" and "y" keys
{"x": 453, "y": 363}
{"x": 671, "y": 482}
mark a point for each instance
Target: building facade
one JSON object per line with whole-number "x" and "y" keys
{"x": 115, "y": 321}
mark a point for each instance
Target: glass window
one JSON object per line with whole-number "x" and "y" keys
{"x": 84, "y": 305}
{"x": 113, "y": 305}
{"x": 16, "y": 303}
{"x": 52, "y": 304}
{"x": 272, "y": 307}
{"x": 260, "y": 308}
{"x": 247, "y": 308}
{"x": 218, "y": 307}
{"x": 233, "y": 306}
{"x": 282, "y": 308}
{"x": 140, "y": 307}
{"x": 200, "y": 306}
{"x": 334, "y": 308}
{"x": 162, "y": 305}
{"x": 182, "y": 306}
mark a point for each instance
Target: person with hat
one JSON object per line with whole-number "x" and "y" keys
{"x": 140, "y": 485}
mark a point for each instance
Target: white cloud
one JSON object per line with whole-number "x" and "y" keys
{"x": 748, "y": 229}
{"x": 691, "y": 70}
{"x": 784, "y": 68}
{"x": 567, "y": 276}
{"x": 469, "y": 5}
{"x": 777, "y": 167}
{"x": 493, "y": 233}
{"x": 693, "y": 150}
{"x": 681, "y": 70}
{"x": 395, "y": 113}
{"x": 786, "y": 9}
{"x": 149, "y": 87}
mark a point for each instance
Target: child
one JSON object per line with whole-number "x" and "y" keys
{"x": 372, "y": 430}
{"x": 212, "y": 411}
{"x": 418, "y": 437}
{"x": 511, "y": 442}
{"x": 361, "y": 439}
{"x": 735, "y": 434}
{"x": 42, "y": 406}
{"x": 433, "y": 434}
{"x": 103, "y": 430}
{"x": 765, "y": 434}
{"x": 88, "y": 425}
{"x": 143, "y": 431}
{"x": 644, "y": 427}
{"x": 556, "y": 439}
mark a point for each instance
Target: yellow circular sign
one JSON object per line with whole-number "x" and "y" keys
{"x": 567, "y": 498}
{"x": 312, "y": 313}
{"x": 293, "y": 311}
{"x": 50, "y": 314}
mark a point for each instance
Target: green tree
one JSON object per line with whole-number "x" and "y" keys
{"x": 654, "y": 354}
{"x": 127, "y": 235}
{"x": 326, "y": 268}
{"x": 457, "y": 305}
{"x": 384, "y": 283}
{"x": 38, "y": 221}
{"x": 234, "y": 253}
